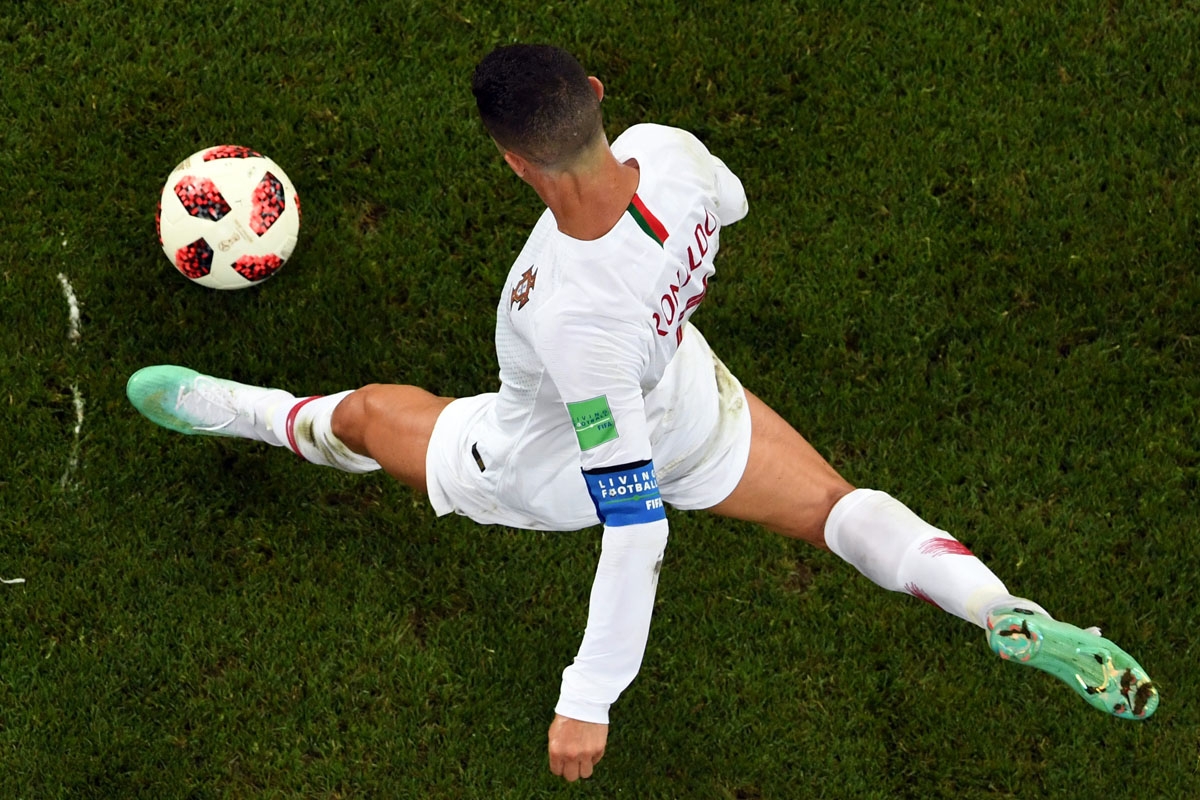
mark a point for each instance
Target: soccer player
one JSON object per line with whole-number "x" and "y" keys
{"x": 612, "y": 408}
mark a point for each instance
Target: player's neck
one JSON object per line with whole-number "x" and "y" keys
{"x": 587, "y": 203}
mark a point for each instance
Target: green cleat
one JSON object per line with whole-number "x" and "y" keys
{"x": 1104, "y": 675}
{"x": 184, "y": 401}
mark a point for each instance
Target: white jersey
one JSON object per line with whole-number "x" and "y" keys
{"x": 592, "y": 394}
{"x": 594, "y": 324}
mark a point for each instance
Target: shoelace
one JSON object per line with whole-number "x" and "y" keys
{"x": 215, "y": 394}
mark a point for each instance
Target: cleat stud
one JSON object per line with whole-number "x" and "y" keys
{"x": 1142, "y": 697}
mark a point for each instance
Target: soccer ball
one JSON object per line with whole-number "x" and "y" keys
{"x": 228, "y": 217}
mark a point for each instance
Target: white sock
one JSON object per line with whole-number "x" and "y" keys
{"x": 266, "y": 408}
{"x": 884, "y": 540}
{"x": 304, "y": 426}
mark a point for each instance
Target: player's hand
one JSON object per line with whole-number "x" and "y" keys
{"x": 575, "y": 747}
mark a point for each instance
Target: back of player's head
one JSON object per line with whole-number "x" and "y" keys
{"x": 536, "y": 101}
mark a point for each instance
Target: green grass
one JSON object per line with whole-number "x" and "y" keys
{"x": 968, "y": 276}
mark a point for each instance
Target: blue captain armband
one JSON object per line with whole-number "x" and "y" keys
{"x": 626, "y": 495}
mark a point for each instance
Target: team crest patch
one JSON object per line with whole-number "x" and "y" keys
{"x": 593, "y": 422}
{"x": 520, "y": 292}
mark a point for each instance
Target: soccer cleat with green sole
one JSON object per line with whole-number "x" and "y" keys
{"x": 185, "y": 401}
{"x": 1104, "y": 675}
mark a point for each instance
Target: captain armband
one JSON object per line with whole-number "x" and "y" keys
{"x": 626, "y": 495}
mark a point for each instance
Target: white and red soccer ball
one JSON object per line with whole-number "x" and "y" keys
{"x": 228, "y": 217}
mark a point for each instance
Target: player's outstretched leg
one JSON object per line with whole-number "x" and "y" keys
{"x": 185, "y": 401}
{"x": 1103, "y": 674}
{"x": 898, "y": 550}
{"x": 791, "y": 489}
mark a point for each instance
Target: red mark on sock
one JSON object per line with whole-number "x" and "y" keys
{"x": 945, "y": 547}
{"x": 290, "y": 425}
{"x": 918, "y": 592}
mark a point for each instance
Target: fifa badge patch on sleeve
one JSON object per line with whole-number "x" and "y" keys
{"x": 593, "y": 421}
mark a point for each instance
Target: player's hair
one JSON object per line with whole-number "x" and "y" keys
{"x": 535, "y": 100}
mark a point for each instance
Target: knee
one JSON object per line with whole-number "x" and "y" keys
{"x": 355, "y": 412}
{"x": 383, "y": 407}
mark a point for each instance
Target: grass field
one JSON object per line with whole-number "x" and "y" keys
{"x": 968, "y": 276}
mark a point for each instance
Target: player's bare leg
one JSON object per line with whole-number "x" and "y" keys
{"x": 790, "y": 489}
{"x": 392, "y": 425}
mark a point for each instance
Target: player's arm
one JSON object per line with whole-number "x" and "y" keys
{"x": 619, "y": 611}
{"x": 622, "y": 596}
{"x": 603, "y": 398}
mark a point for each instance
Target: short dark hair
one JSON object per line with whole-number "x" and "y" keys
{"x": 535, "y": 100}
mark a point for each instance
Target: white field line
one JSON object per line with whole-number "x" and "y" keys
{"x": 73, "y": 336}
{"x": 73, "y": 333}
{"x": 73, "y": 461}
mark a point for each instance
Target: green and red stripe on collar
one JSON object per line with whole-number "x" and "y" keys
{"x": 647, "y": 221}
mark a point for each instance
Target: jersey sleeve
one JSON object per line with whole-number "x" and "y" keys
{"x": 731, "y": 196}
{"x": 596, "y": 372}
{"x": 596, "y": 364}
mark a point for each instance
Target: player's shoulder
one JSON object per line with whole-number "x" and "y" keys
{"x": 537, "y": 243}
{"x": 672, "y": 160}
{"x": 648, "y": 138}
{"x": 528, "y": 271}
{"x": 540, "y": 236}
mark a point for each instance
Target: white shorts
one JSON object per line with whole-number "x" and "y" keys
{"x": 698, "y": 465}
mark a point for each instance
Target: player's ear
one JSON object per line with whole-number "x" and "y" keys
{"x": 597, "y": 86}
{"x": 518, "y": 164}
